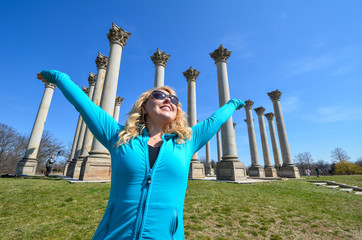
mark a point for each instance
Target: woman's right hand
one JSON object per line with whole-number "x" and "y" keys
{"x": 39, "y": 76}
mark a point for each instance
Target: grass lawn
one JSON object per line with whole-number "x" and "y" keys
{"x": 294, "y": 209}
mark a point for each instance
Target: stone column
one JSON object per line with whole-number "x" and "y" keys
{"x": 160, "y": 59}
{"x": 87, "y": 137}
{"x": 99, "y": 159}
{"x": 197, "y": 169}
{"x": 74, "y": 165}
{"x": 218, "y": 142}
{"x": 288, "y": 169}
{"x": 117, "y": 108}
{"x": 255, "y": 170}
{"x": 28, "y": 165}
{"x": 208, "y": 168}
{"x": 273, "y": 137}
{"x": 101, "y": 62}
{"x": 268, "y": 167}
{"x": 75, "y": 140}
{"x": 229, "y": 168}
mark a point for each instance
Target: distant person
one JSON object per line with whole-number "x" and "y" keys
{"x": 49, "y": 165}
{"x": 150, "y": 156}
{"x": 318, "y": 171}
{"x": 307, "y": 172}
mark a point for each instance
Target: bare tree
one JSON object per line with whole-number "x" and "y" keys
{"x": 339, "y": 155}
{"x": 303, "y": 161}
{"x": 324, "y": 166}
{"x": 13, "y": 146}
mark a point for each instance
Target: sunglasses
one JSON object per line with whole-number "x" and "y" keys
{"x": 159, "y": 95}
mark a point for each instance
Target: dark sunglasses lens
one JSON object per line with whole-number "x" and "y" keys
{"x": 158, "y": 95}
{"x": 174, "y": 100}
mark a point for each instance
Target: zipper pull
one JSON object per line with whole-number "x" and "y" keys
{"x": 149, "y": 176}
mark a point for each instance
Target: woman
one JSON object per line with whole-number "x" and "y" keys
{"x": 150, "y": 159}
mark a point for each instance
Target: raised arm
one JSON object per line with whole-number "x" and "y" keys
{"x": 205, "y": 130}
{"x": 100, "y": 123}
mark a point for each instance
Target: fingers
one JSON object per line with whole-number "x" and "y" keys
{"x": 39, "y": 76}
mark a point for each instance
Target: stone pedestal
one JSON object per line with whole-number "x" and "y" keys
{"x": 229, "y": 168}
{"x": 197, "y": 170}
{"x": 28, "y": 165}
{"x": 96, "y": 168}
{"x": 289, "y": 172}
{"x": 256, "y": 171}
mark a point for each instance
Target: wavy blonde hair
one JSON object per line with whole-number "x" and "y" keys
{"x": 136, "y": 121}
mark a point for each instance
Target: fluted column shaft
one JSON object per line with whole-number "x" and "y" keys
{"x": 82, "y": 132}
{"x": 117, "y": 108}
{"x": 36, "y": 134}
{"x": 227, "y": 130}
{"x": 218, "y": 142}
{"x": 117, "y": 37}
{"x": 191, "y": 76}
{"x": 263, "y": 136}
{"x": 98, "y": 83}
{"x": 277, "y": 160}
{"x": 282, "y": 133}
{"x": 251, "y": 133}
{"x": 208, "y": 159}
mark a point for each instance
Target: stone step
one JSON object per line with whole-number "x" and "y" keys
{"x": 320, "y": 183}
{"x": 332, "y": 186}
{"x": 346, "y": 189}
{"x": 358, "y": 193}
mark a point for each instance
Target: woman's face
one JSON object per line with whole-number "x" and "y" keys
{"x": 160, "y": 111}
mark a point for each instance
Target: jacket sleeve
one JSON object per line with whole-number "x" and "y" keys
{"x": 99, "y": 122}
{"x": 205, "y": 130}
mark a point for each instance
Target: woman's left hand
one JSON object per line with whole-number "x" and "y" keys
{"x": 39, "y": 76}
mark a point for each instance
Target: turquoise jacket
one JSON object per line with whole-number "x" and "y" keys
{"x": 143, "y": 203}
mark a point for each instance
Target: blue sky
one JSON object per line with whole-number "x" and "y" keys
{"x": 309, "y": 50}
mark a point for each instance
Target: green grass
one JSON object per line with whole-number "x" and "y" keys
{"x": 294, "y": 209}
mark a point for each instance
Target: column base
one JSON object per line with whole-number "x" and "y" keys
{"x": 66, "y": 166}
{"x": 289, "y": 171}
{"x": 197, "y": 170}
{"x": 270, "y": 172}
{"x": 26, "y": 166}
{"x": 256, "y": 171}
{"x": 96, "y": 167}
{"x": 70, "y": 170}
{"x": 77, "y": 166}
{"x": 230, "y": 169}
{"x": 208, "y": 170}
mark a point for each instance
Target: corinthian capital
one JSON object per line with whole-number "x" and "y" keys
{"x": 259, "y": 111}
{"x": 248, "y": 104}
{"x": 85, "y": 90}
{"x": 118, "y": 35}
{"x": 50, "y": 85}
{"x": 191, "y": 74}
{"x": 101, "y": 61}
{"x": 119, "y": 101}
{"x": 220, "y": 54}
{"x": 160, "y": 58}
{"x": 275, "y": 95}
{"x": 269, "y": 116}
{"x": 92, "y": 79}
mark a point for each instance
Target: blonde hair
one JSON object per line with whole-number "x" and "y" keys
{"x": 136, "y": 120}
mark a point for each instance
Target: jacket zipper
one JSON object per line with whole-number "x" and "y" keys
{"x": 141, "y": 219}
